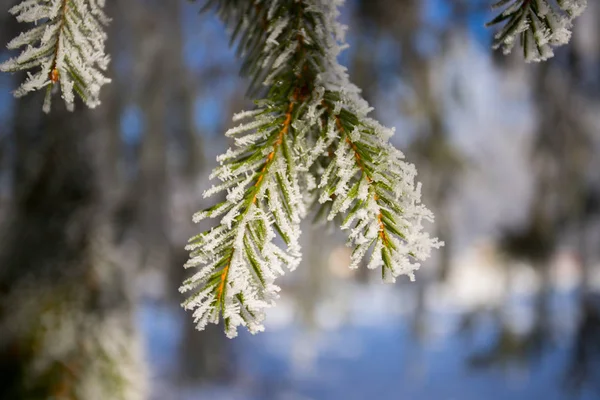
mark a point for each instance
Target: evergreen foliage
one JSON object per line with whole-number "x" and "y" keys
{"x": 539, "y": 25}
{"x": 310, "y": 133}
{"x": 65, "y": 47}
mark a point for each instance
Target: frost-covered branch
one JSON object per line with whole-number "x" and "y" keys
{"x": 369, "y": 183}
{"x": 238, "y": 260}
{"x": 539, "y": 25}
{"x": 314, "y": 117}
{"x": 362, "y": 176}
{"x": 65, "y": 47}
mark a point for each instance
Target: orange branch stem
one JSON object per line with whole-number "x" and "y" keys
{"x": 54, "y": 73}
{"x": 284, "y": 130}
{"x": 382, "y": 232}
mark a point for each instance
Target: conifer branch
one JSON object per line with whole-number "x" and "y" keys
{"x": 537, "y": 24}
{"x": 238, "y": 260}
{"x": 65, "y": 47}
{"x": 364, "y": 178}
{"x": 368, "y": 182}
{"x": 312, "y": 116}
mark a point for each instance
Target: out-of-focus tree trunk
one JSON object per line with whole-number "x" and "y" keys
{"x": 107, "y": 118}
{"x": 182, "y": 95}
{"x": 153, "y": 80}
{"x": 65, "y": 319}
{"x": 66, "y": 328}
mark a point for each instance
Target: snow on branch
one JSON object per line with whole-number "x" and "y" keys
{"x": 308, "y": 138}
{"x": 362, "y": 177}
{"x": 238, "y": 259}
{"x": 65, "y": 48}
{"x": 368, "y": 182}
{"x": 539, "y": 25}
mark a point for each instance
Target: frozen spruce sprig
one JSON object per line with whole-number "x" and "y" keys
{"x": 539, "y": 25}
{"x": 371, "y": 187}
{"x": 309, "y": 138}
{"x": 238, "y": 260}
{"x": 257, "y": 237}
{"x": 64, "y": 48}
{"x": 362, "y": 178}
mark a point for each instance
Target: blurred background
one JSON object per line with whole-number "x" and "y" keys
{"x": 96, "y": 206}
